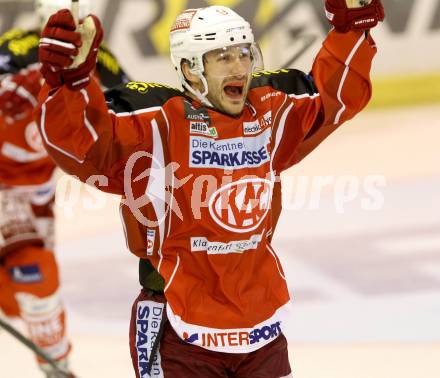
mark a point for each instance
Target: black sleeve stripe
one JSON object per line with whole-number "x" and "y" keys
{"x": 289, "y": 81}
{"x": 137, "y": 95}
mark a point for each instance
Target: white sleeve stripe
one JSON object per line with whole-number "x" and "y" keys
{"x": 172, "y": 275}
{"x": 33, "y": 66}
{"x": 277, "y": 263}
{"x": 344, "y": 77}
{"x": 91, "y": 129}
{"x": 171, "y": 204}
{"x": 166, "y": 121}
{"x": 124, "y": 226}
{"x": 19, "y": 154}
{"x": 305, "y": 95}
{"x": 46, "y": 139}
{"x": 23, "y": 92}
{"x": 279, "y": 135}
{"x": 85, "y": 95}
{"x": 7, "y": 85}
{"x": 157, "y": 188}
{"x": 51, "y": 41}
{"x": 160, "y": 264}
{"x": 86, "y": 121}
{"x": 81, "y": 81}
{"x": 339, "y": 95}
{"x": 355, "y": 48}
{"x": 140, "y": 111}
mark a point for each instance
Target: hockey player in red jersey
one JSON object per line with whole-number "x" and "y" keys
{"x": 29, "y": 279}
{"x": 196, "y": 171}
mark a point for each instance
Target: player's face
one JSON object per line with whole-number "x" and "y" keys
{"x": 228, "y": 73}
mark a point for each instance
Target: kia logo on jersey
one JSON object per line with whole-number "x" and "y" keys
{"x": 242, "y": 205}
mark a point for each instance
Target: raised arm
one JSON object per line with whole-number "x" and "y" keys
{"x": 80, "y": 132}
{"x": 19, "y": 74}
{"x": 337, "y": 88}
{"x": 345, "y": 16}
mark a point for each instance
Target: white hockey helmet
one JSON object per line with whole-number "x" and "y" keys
{"x": 198, "y": 31}
{"x": 46, "y": 8}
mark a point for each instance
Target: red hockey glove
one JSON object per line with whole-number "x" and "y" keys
{"x": 18, "y": 94}
{"x": 67, "y": 55}
{"x": 347, "y": 15}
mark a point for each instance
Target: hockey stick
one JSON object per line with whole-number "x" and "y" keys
{"x": 34, "y": 348}
{"x": 309, "y": 40}
{"x": 74, "y": 8}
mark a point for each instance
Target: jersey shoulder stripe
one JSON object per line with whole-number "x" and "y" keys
{"x": 289, "y": 81}
{"x": 137, "y": 95}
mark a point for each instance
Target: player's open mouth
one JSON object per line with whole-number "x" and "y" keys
{"x": 234, "y": 90}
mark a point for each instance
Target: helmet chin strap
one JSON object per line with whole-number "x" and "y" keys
{"x": 200, "y": 96}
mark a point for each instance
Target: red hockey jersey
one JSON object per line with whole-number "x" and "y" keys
{"x": 197, "y": 184}
{"x": 23, "y": 159}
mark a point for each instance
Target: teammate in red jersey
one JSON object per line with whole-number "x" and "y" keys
{"x": 196, "y": 171}
{"x": 29, "y": 279}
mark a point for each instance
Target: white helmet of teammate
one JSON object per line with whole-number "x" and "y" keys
{"x": 198, "y": 31}
{"x": 46, "y": 8}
